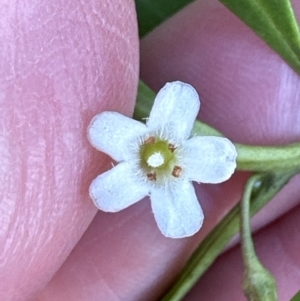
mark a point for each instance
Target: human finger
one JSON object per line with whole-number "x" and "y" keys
{"x": 61, "y": 64}
{"x": 121, "y": 255}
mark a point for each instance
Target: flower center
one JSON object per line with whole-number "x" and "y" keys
{"x": 159, "y": 160}
{"x": 156, "y": 160}
{"x": 156, "y": 154}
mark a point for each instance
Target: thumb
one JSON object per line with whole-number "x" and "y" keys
{"x": 61, "y": 63}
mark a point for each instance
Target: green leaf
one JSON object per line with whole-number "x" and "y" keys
{"x": 275, "y": 22}
{"x": 151, "y": 13}
{"x": 296, "y": 297}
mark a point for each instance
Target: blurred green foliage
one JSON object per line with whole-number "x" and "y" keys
{"x": 151, "y": 13}
{"x": 273, "y": 20}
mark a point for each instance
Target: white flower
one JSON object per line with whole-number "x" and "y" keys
{"x": 159, "y": 159}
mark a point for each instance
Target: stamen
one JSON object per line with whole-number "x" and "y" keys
{"x": 150, "y": 140}
{"x": 171, "y": 147}
{"x": 151, "y": 176}
{"x": 176, "y": 171}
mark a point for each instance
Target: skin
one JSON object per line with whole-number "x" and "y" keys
{"x": 60, "y": 65}
{"x": 84, "y": 61}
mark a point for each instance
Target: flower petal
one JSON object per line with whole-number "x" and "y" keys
{"x": 117, "y": 188}
{"x": 111, "y": 133}
{"x": 209, "y": 159}
{"x": 177, "y": 210}
{"x": 176, "y": 105}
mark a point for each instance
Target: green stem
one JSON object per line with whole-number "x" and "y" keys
{"x": 245, "y": 228}
{"x": 268, "y": 158}
{"x": 266, "y": 188}
{"x": 258, "y": 284}
{"x": 296, "y": 297}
